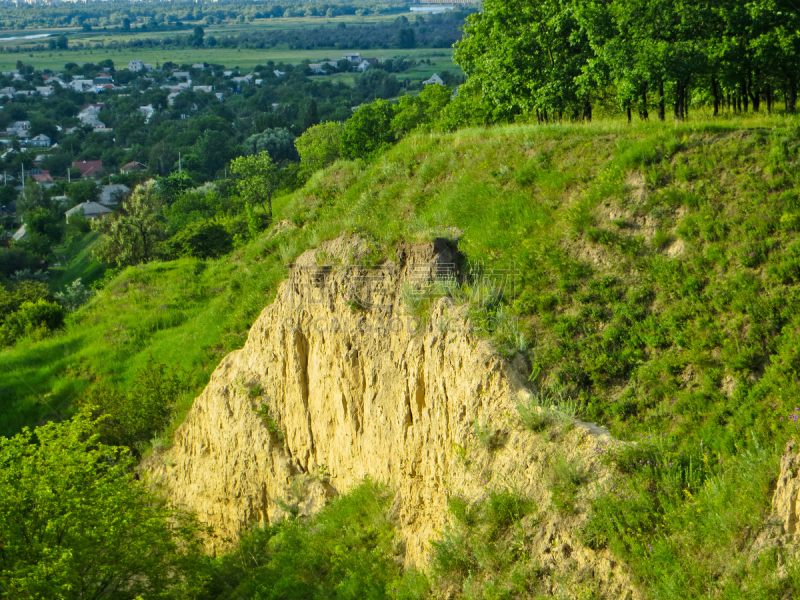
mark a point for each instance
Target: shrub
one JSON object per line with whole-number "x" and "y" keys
{"x": 32, "y": 318}
{"x": 74, "y": 296}
{"x": 133, "y": 416}
{"x": 201, "y": 239}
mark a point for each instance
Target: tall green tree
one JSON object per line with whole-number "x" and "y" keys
{"x": 76, "y": 525}
{"x": 258, "y": 178}
{"x": 132, "y": 235}
{"x": 369, "y": 130}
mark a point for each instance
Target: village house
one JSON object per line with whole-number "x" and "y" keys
{"x": 39, "y": 141}
{"x": 90, "y": 210}
{"x": 89, "y": 168}
{"x": 113, "y": 194}
{"x": 133, "y": 167}
{"x": 435, "y": 80}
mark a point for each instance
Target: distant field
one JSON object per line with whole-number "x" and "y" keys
{"x": 441, "y": 58}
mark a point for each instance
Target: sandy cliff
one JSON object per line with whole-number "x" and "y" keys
{"x": 336, "y": 382}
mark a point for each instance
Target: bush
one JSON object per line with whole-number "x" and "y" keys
{"x": 133, "y": 416}
{"x": 344, "y": 552}
{"x": 201, "y": 239}
{"x": 16, "y": 259}
{"x": 39, "y": 318}
{"x": 74, "y": 296}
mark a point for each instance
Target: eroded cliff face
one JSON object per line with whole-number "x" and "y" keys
{"x": 337, "y": 382}
{"x": 781, "y": 529}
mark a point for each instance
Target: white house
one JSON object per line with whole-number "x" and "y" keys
{"x": 279, "y": 73}
{"x": 220, "y": 96}
{"x": 39, "y": 141}
{"x": 363, "y": 66}
{"x": 199, "y": 66}
{"x": 148, "y": 112}
{"x": 181, "y": 75}
{"x": 135, "y": 65}
{"x": 353, "y": 58}
{"x": 435, "y": 80}
{"x": 203, "y": 88}
{"x": 110, "y": 195}
{"x": 44, "y": 90}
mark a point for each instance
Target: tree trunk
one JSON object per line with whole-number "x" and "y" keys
{"x": 745, "y": 96}
{"x": 587, "y": 111}
{"x": 791, "y": 95}
{"x": 768, "y": 94}
{"x": 715, "y": 91}
{"x": 645, "y": 115}
{"x": 662, "y": 108}
{"x": 628, "y": 110}
{"x": 687, "y": 96}
{"x": 679, "y": 95}
{"x": 755, "y": 92}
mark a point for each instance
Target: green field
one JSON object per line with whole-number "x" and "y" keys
{"x": 441, "y": 58}
{"x": 230, "y": 57}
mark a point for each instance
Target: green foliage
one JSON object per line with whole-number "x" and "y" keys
{"x": 344, "y": 552}
{"x": 74, "y": 295}
{"x": 15, "y": 259}
{"x": 37, "y": 318}
{"x": 369, "y": 131}
{"x": 483, "y": 548}
{"x": 278, "y": 143}
{"x": 258, "y": 179}
{"x": 76, "y": 524}
{"x": 549, "y": 60}
{"x": 567, "y": 478}
{"x": 132, "y": 235}
{"x": 133, "y": 416}
{"x": 44, "y": 230}
{"x": 200, "y": 239}
{"x": 319, "y": 146}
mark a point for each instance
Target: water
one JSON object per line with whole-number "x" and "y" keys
{"x": 432, "y": 9}
{"x": 38, "y": 36}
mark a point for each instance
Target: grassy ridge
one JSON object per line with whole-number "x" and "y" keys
{"x": 655, "y": 289}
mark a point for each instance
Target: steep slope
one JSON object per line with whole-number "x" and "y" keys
{"x": 338, "y": 382}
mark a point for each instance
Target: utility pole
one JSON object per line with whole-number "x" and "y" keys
{"x": 23, "y": 176}
{"x": 179, "y": 162}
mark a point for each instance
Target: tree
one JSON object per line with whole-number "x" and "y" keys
{"x": 406, "y": 38}
{"x": 162, "y": 158}
{"x": 77, "y": 525}
{"x": 369, "y": 130}
{"x": 32, "y": 197}
{"x": 131, "y": 236}
{"x": 424, "y": 109}
{"x": 213, "y": 148}
{"x": 309, "y": 114}
{"x": 44, "y": 230}
{"x": 319, "y": 146}
{"x": 278, "y": 142}
{"x": 258, "y": 179}
{"x": 197, "y": 37}
{"x": 85, "y": 190}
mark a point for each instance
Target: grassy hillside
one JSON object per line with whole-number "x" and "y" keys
{"x": 656, "y": 272}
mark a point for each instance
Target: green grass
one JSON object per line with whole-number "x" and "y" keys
{"x": 76, "y": 262}
{"x": 655, "y": 271}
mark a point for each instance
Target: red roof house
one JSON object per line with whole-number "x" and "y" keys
{"x": 41, "y": 176}
{"x": 89, "y": 168}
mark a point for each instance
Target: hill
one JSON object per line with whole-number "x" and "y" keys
{"x": 646, "y": 274}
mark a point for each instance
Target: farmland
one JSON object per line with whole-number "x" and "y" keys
{"x": 93, "y": 46}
